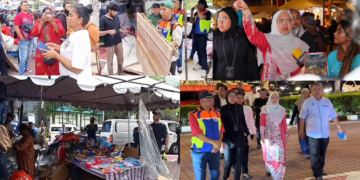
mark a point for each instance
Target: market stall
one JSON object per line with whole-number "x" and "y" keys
{"x": 118, "y": 93}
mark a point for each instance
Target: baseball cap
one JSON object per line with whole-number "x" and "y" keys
{"x": 205, "y": 94}
{"x": 157, "y": 113}
{"x": 156, "y": 5}
{"x": 168, "y": 4}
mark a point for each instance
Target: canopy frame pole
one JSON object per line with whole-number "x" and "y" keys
{"x": 21, "y": 110}
{"x": 62, "y": 114}
{"x": 129, "y": 128}
{"x": 42, "y": 105}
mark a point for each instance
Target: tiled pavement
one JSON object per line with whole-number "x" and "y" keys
{"x": 342, "y": 156}
{"x": 31, "y": 67}
{"x": 174, "y": 168}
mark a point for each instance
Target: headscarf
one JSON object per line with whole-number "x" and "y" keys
{"x": 233, "y": 18}
{"x": 275, "y": 112}
{"x": 301, "y": 100}
{"x": 299, "y": 31}
{"x": 5, "y": 142}
{"x": 282, "y": 47}
{"x": 227, "y": 98}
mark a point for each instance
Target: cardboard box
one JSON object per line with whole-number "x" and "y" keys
{"x": 131, "y": 152}
{"x": 55, "y": 172}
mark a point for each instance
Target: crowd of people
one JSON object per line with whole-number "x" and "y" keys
{"x": 239, "y": 39}
{"x": 225, "y": 122}
{"x": 71, "y": 40}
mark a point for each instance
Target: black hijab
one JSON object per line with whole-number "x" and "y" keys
{"x": 227, "y": 98}
{"x": 233, "y": 18}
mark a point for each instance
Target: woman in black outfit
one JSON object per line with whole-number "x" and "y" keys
{"x": 236, "y": 133}
{"x": 233, "y": 55}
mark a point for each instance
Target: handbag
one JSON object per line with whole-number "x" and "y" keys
{"x": 27, "y": 28}
{"x": 50, "y": 61}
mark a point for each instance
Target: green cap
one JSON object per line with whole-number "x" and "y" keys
{"x": 168, "y": 4}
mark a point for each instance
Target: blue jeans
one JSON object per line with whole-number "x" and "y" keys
{"x": 233, "y": 156}
{"x": 201, "y": 160}
{"x": 25, "y": 50}
{"x": 2, "y": 112}
{"x": 179, "y": 61}
{"x": 304, "y": 143}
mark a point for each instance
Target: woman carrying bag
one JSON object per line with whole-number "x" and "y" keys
{"x": 48, "y": 30}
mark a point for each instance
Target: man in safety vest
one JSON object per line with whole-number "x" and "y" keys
{"x": 170, "y": 28}
{"x": 180, "y": 15}
{"x": 207, "y": 133}
{"x": 201, "y": 26}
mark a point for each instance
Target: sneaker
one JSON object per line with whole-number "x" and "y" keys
{"x": 179, "y": 70}
{"x": 307, "y": 156}
{"x": 197, "y": 67}
{"x": 319, "y": 178}
{"x": 190, "y": 59}
{"x": 246, "y": 176}
{"x": 203, "y": 73}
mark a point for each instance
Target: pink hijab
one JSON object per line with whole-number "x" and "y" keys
{"x": 275, "y": 112}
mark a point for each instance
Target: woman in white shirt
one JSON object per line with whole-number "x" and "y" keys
{"x": 75, "y": 51}
{"x": 250, "y": 122}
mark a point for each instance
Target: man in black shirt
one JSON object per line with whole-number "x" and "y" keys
{"x": 258, "y": 104}
{"x": 160, "y": 132}
{"x": 62, "y": 16}
{"x": 312, "y": 37}
{"x": 240, "y": 89}
{"x": 111, "y": 31}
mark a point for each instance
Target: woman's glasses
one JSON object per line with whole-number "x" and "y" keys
{"x": 222, "y": 19}
{"x": 281, "y": 21}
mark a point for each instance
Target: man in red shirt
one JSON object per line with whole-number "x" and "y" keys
{"x": 23, "y": 24}
{"x": 207, "y": 133}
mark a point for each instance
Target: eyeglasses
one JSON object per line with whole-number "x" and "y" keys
{"x": 281, "y": 21}
{"x": 222, "y": 19}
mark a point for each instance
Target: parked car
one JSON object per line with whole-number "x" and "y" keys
{"x": 294, "y": 88}
{"x": 120, "y": 132}
{"x": 349, "y": 86}
{"x": 55, "y": 128}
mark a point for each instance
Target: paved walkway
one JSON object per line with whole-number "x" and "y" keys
{"x": 342, "y": 157}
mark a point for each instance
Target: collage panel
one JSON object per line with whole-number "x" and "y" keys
{"x": 269, "y": 130}
{"x": 105, "y": 127}
{"x": 282, "y": 40}
{"x": 151, "y": 36}
{"x": 49, "y": 37}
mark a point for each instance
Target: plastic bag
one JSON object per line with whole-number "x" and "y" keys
{"x": 20, "y": 175}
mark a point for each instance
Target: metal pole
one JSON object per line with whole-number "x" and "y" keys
{"x": 21, "y": 110}
{"x": 129, "y": 128}
{"x": 62, "y": 115}
{"x": 186, "y": 57}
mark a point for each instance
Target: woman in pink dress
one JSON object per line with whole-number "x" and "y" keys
{"x": 274, "y": 135}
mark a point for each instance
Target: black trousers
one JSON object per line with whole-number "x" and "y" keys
{"x": 318, "y": 149}
{"x": 3, "y": 67}
{"x": 245, "y": 158}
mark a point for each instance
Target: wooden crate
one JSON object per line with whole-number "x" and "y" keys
{"x": 153, "y": 51}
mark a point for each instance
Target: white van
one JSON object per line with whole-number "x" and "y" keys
{"x": 55, "y": 128}
{"x": 118, "y": 130}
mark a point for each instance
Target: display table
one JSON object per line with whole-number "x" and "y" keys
{"x": 135, "y": 173}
